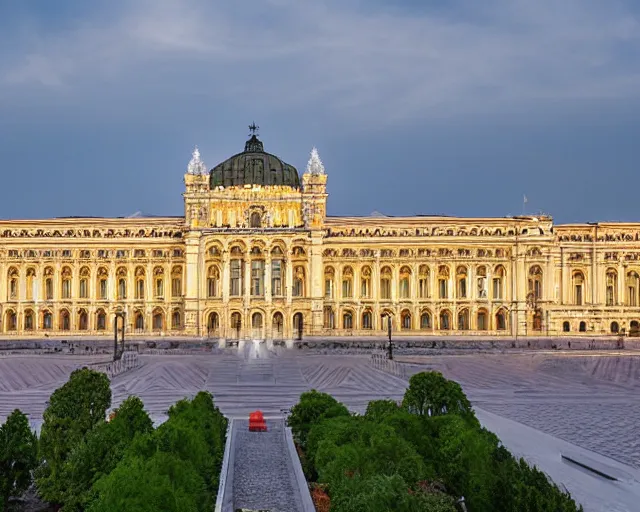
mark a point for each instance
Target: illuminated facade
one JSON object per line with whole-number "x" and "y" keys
{"x": 256, "y": 257}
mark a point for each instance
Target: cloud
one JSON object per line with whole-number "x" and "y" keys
{"x": 356, "y": 60}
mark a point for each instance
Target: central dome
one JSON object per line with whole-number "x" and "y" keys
{"x": 254, "y": 167}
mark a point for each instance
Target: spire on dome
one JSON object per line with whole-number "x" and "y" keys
{"x": 196, "y": 165}
{"x": 314, "y": 166}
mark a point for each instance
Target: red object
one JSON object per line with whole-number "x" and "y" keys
{"x": 256, "y": 422}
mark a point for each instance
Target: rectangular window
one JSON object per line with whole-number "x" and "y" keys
{"x": 257, "y": 278}
{"x": 328, "y": 289}
{"x": 385, "y": 288}
{"x": 66, "y": 289}
{"x": 139, "y": 253}
{"x": 157, "y": 253}
{"x": 140, "y": 289}
{"x": 48, "y": 289}
{"x": 365, "y": 288}
{"x": 122, "y": 289}
{"x": 462, "y": 288}
{"x": 443, "y": 286}
{"x": 609, "y": 295}
{"x": 120, "y": 253}
{"x": 102, "y": 253}
{"x": 404, "y": 288}
{"x": 579, "y": 295}
{"x": 276, "y": 278}
{"x": 212, "y": 287}
{"x": 66, "y": 253}
{"x": 13, "y": 289}
{"x": 177, "y": 253}
{"x": 176, "y": 287}
{"x": 423, "y": 288}
{"x": 236, "y": 278}
{"x": 346, "y": 289}
{"x": 497, "y": 288}
{"x": 102, "y": 290}
{"x": 84, "y": 289}
{"x": 159, "y": 287}
{"x": 13, "y": 253}
{"x": 85, "y": 255}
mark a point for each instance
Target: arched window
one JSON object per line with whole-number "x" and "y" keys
{"x": 347, "y": 283}
{"x": 65, "y": 320}
{"x": 423, "y": 282}
{"x": 12, "y": 284}
{"x": 47, "y": 320}
{"x": 31, "y": 275}
{"x": 277, "y": 325}
{"x": 213, "y": 281}
{"x": 535, "y": 282}
{"x": 83, "y": 287}
{"x": 11, "y": 323}
{"x": 461, "y": 280}
{"x": 385, "y": 283}
{"x": 28, "y": 320}
{"x": 633, "y": 288}
{"x": 481, "y": 281}
{"x": 298, "y": 282}
{"x": 158, "y": 282}
{"x": 445, "y": 320}
{"x": 405, "y": 283}
{"x": 329, "y": 275}
{"x": 425, "y": 320}
{"x": 443, "y": 283}
{"x": 566, "y": 326}
{"x": 138, "y": 321}
{"x": 101, "y": 320}
{"x": 83, "y": 320}
{"x": 48, "y": 283}
{"x": 615, "y": 328}
{"x": 347, "y": 320}
{"x": 157, "y": 320}
{"x": 498, "y": 282}
{"x": 365, "y": 282}
{"x": 578, "y": 288}
{"x": 176, "y": 281}
{"x": 328, "y": 318}
{"x": 583, "y": 327}
{"x": 122, "y": 283}
{"x": 236, "y": 324}
{"x": 463, "y": 320}
{"x": 501, "y": 320}
{"x": 366, "y": 320}
{"x": 66, "y": 283}
{"x": 405, "y": 320}
{"x": 101, "y": 282}
{"x": 256, "y": 325}
{"x": 255, "y": 220}
{"x": 298, "y": 324}
{"x": 176, "y": 319}
{"x": 612, "y": 287}
{"x": 257, "y": 272}
{"x": 140, "y": 283}
{"x": 277, "y": 271}
{"x": 213, "y": 323}
{"x": 483, "y": 320}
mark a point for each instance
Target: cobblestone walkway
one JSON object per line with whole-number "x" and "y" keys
{"x": 263, "y": 476}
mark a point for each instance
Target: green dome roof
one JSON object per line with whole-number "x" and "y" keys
{"x": 254, "y": 167}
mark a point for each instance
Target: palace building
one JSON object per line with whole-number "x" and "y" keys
{"x": 256, "y": 256}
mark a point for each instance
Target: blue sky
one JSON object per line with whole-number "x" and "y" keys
{"x": 416, "y": 107}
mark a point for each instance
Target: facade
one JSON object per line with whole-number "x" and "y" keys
{"x": 256, "y": 257}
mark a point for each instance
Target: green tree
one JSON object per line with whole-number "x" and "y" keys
{"x": 73, "y": 410}
{"x": 163, "y": 483}
{"x": 430, "y": 394}
{"x": 101, "y": 450}
{"x": 18, "y": 457}
{"x": 312, "y": 408}
{"x": 378, "y": 410}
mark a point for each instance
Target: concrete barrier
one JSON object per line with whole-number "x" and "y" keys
{"x": 303, "y": 487}
{"x": 224, "y": 500}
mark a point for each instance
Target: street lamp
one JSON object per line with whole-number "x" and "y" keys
{"x": 390, "y": 346}
{"x": 119, "y": 314}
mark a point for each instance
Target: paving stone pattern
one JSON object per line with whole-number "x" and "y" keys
{"x": 263, "y": 476}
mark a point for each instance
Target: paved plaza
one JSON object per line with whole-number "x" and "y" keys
{"x": 541, "y": 404}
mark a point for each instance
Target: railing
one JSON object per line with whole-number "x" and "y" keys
{"x": 382, "y": 362}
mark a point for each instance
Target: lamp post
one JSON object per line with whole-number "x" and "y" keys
{"x": 390, "y": 346}
{"x": 119, "y": 314}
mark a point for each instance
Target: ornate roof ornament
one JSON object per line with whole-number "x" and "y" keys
{"x": 314, "y": 166}
{"x": 196, "y": 165}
